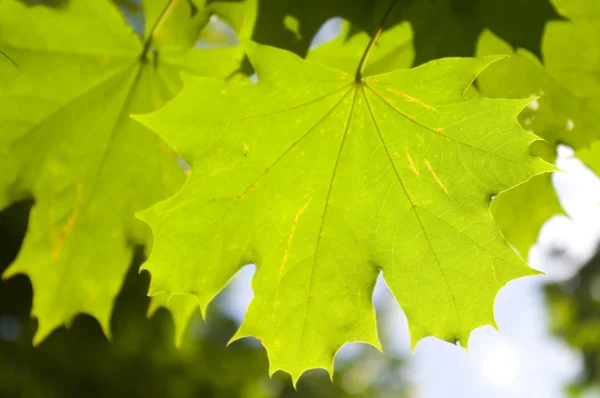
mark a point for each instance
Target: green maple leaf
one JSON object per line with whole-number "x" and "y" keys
{"x": 323, "y": 183}
{"x": 521, "y": 212}
{"x": 68, "y": 142}
{"x": 567, "y": 110}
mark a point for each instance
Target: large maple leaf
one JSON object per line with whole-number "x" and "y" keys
{"x": 324, "y": 182}
{"x": 67, "y": 141}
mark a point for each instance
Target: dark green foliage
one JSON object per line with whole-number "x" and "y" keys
{"x": 575, "y": 316}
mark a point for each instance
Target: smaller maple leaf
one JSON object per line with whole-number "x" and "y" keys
{"x": 67, "y": 141}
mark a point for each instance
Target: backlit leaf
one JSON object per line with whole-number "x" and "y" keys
{"x": 67, "y": 141}
{"x": 324, "y": 183}
{"x": 566, "y": 111}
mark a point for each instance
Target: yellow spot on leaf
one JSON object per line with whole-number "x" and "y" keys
{"x": 410, "y": 99}
{"x": 412, "y": 164}
{"x": 64, "y": 234}
{"x": 436, "y": 177}
{"x": 288, "y": 246}
{"x": 177, "y": 206}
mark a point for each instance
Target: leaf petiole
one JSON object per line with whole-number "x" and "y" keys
{"x": 9, "y": 58}
{"x": 363, "y": 59}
